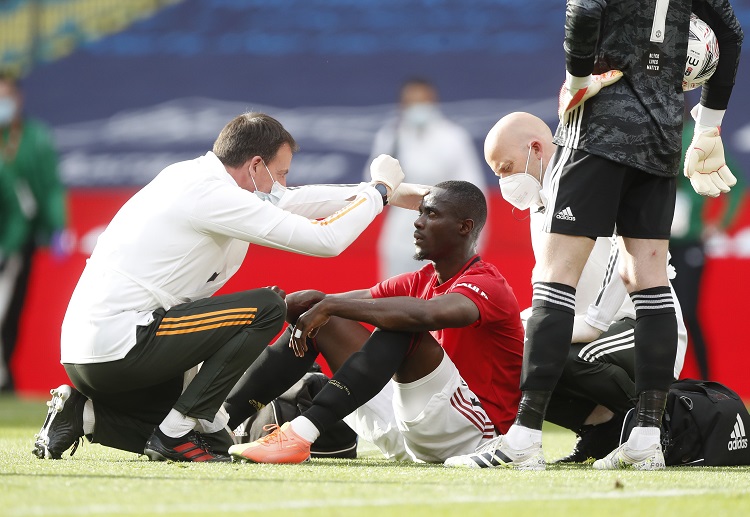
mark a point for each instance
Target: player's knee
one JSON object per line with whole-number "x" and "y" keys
{"x": 268, "y": 303}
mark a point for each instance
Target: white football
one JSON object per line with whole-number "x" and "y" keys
{"x": 702, "y": 54}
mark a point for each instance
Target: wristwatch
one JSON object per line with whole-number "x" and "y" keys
{"x": 383, "y": 192}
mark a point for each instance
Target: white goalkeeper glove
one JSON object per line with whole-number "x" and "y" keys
{"x": 576, "y": 90}
{"x": 705, "y": 164}
{"x": 385, "y": 169}
{"x": 409, "y": 196}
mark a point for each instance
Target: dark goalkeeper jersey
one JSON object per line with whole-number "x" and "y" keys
{"x": 638, "y": 120}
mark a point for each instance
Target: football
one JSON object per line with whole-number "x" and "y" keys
{"x": 702, "y": 54}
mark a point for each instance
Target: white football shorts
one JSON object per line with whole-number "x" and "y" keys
{"x": 428, "y": 420}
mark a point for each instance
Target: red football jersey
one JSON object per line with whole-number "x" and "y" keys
{"x": 487, "y": 353}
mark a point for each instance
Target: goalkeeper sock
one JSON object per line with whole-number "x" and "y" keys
{"x": 655, "y": 338}
{"x": 548, "y": 334}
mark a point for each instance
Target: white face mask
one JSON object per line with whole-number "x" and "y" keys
{"x": 522, "y": 190}
{"x": 419, "y": 115}
{"x": 7, "y": 110}
{"x": 277, "y": 190}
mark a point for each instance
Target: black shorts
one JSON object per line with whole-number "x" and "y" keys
{"x": 591, "y": 196}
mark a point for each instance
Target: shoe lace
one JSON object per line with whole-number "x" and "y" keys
{"x": 490, "y": 445}
{"x": 201, "y": 442}
{"x": 274, "y": 435}
{"x": 76, "y": 443}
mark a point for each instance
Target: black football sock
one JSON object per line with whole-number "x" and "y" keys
{"x": 650, "y": 408}
{"x": 274, "y": 371}
{"x": 655, "y": 338}
{"x": 360, "y": 378}
{"x": 532, "y": 408}
{"x": 548, "y": 334}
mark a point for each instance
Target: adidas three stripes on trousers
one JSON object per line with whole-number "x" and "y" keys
{"x": 132, "y": 395}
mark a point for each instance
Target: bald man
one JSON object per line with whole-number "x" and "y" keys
{"x": 597, "y": 385}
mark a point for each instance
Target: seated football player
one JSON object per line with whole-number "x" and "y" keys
{"x": 438, "y": 376}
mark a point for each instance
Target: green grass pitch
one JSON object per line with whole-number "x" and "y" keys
{"x": 100, "y": 481}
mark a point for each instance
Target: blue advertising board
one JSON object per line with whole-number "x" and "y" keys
{"x": 125, "y": 105}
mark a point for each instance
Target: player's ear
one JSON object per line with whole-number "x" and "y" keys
{"x": 467, "y": 226}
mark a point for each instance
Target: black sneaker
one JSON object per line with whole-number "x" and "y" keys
{"x": 579, "y": 454}
{"x": 596, "y": 441}
{"x": 220, "y": 441}
{"x": 191, "y": 447}
{"x": 63, "y": 427}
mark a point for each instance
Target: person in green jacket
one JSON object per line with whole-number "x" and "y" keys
{"x": 32, "y": 209}
{"x": 691, "y": 230}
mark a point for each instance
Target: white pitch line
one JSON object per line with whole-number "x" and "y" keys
{"x": 182, "y": 508}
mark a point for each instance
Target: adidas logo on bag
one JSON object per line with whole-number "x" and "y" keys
{"x": 565, "y": 213}
{"x": 737, "y": 440}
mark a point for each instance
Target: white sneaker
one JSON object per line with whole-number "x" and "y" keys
{"x": 496, "y": 453}
{"x": 626, "y": 458}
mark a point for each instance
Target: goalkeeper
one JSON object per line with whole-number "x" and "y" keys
{"x": 621, "y": 112}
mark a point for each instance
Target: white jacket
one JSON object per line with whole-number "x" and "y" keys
{"x": 183, "y": 236}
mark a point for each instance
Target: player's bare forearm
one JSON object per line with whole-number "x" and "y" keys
{"x": 301, "y": 301}
{"x": 405, "y": 313}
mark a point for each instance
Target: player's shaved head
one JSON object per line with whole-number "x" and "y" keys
{"x": 466, "y": 201}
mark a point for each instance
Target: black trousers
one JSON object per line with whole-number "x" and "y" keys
{"x": 224, "y": 334}
{"x": 598, "y": 373}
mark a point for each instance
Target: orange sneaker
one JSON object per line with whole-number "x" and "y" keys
{"x": 282, "y": 445}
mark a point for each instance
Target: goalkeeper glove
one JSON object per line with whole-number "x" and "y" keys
{"x": 576, "y": 90}
{"x": 705, "y": 164}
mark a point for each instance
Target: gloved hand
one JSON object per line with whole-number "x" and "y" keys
{"x": 576, "y": 90}
{"x": 408, "y": 195}
{"x": 705, "y": 164}
{"x": 582, "y": 331}
{"x": 385, "y": 169}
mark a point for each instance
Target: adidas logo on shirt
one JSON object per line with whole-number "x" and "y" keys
{"x": 737, "y": 440}
{"x": 565, "y": 213}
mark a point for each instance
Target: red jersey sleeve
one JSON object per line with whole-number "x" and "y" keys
{"x": 487, "y": 288}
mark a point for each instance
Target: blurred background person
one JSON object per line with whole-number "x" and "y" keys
{"x": 695, "y": 223}
{"x": 32, "y": 212}
{"x": 431, "y": 149}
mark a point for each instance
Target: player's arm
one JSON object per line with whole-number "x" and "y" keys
{"x": 300, "y": 301}
{"x": 705, "y": 164}
{"x": 403, "y": 313}
{"x": 582, "y": 20}
{"x": 718, "y": 14}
